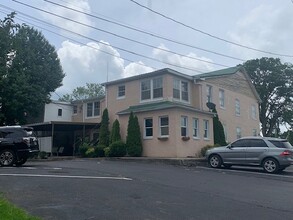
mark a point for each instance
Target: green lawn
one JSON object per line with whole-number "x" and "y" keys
{"x": 9, "y": 211}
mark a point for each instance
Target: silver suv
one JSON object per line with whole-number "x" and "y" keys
{"x": 272, "y": 154}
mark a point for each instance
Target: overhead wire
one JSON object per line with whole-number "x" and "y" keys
{"x": 116, "y": 47}
{"x": 151, "y": 34}
{"x": 208, "y": 34}
{"x": 119, "y": 36}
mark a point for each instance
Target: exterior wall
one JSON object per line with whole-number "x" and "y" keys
{"x": 235, "y": 87}
{"x": 173, "y": 146}
{"x": 81, "y": 112}
{"x": 51, "y": 111}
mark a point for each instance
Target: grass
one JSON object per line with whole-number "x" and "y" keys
{"x": 9, "y": 211}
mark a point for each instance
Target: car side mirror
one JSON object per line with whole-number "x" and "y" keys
{"x": 230, "y": 146}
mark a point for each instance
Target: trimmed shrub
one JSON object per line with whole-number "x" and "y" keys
{"x": 115, "y": 132}
{"x": 104, "y": 135}
{"x": 90, "y": 152}
{"x": 107, "y": 151}
{"x": 133, "y": 139}
{"x": 99, "y": 151}
{"x": 205, "y": 148}
{"x": 219, "y": 134}
{"x": 117, "y": 149}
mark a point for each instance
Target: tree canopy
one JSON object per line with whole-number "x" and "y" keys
{"x": 273, "y": 82}
{"x": 29, "y": 71}
{"x": 91, "y": 90}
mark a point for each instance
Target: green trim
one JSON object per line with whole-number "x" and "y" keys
{"x": 222, "y": 72}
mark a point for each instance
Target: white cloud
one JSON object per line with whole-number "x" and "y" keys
{"x": 133, "y": 69}
{"x": 87, "y": 64}
{"x": 183, "y": 61}
{"x": 266, "y": 27}
{"x": 80, "y": 5}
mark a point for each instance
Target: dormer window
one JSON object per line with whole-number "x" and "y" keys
{"x": 151, "y": 89}
{"x": 180, "y": 90}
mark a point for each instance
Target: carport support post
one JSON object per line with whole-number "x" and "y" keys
{"x": 52, "y": 142}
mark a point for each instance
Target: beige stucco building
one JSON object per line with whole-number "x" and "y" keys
{"x": 171, "y": 107}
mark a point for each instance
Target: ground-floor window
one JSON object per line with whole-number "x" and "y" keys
{"x": 148, "y": 127}
{"x": 183, "y": 126}
{"x": 206, "y": 129}
{"x": 238, "y": 132}
{"x": 164, "y": 125}
{"x": 195, "y": 128}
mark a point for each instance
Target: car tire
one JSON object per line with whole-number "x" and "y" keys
{"x": 20, "y": 162}
{"x": 215, "y": 161}
{"x": 7, "y": 157}
{"x": 270, "y": 165}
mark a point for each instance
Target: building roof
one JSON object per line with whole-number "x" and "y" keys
{"x": 159, "y": 106}
{"x": 222, "y": 72}
{"x": 150, "y": 74}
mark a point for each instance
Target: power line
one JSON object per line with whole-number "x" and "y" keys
{"x": 119, "y": 36}
{"x": 152, "y": 34}
{"x": 208, "y": 34}
{"x": 119, "y": 48}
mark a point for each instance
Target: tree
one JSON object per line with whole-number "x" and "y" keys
{"x": 91, "y": 90}
{"x": 115, "y": 132}
{"x": 104, "y": 129}
{"x": 30, "y": 70}
{"x": 133, "y": 139}
{"x": 273, "y": 82}
{"x": 219, "y": 134}
{"x": 290, "y": 137}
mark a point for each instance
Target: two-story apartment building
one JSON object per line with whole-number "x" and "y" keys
{"x": 171, "y": 107}
{"x": 174, "y": 118}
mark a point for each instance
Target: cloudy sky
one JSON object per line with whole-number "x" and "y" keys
{"x": 94, "y": 45}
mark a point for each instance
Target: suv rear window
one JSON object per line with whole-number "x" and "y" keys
{"x": 282, "y": 144}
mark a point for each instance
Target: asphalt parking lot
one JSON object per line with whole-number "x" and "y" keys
{"x": 99, "y": 189}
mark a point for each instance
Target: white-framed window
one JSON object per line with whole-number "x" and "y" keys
{"x": 75, "y": 109}
{"x": 151, "y": 89}
{"x": 180, "y": 90}
{"x": 148, "y": 128}
{"x": 225, "y": 132}
{"x": 184, "y": 125}
{"x": 59, "y": 112}
{"x": 92, "y": 109}
{"x": 253, "y": 112}
{"x": 238, "y": 132}
{"x": 195, "y": 126}
{"x": 254, "y": 132}
{"x": 164, "y": 126}
{"x": 206, "y": 128}
{"x": 237, "y": 107}
{"x": 121, "y": 91}
{"x": 222, "y": 98}
{"x": 209, "y": 91}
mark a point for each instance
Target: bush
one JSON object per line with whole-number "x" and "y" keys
{"x": 205, "y": 148}
{"x": 107, "y": 151}
{"x": 117, "y": 149}
{"x": 90, "y": 152}
{"x": 83, "y": 150}
{"x": 43, "y": 155}
{"x": 99, "y": 151}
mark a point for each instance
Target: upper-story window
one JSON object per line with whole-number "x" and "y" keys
{"x": 253, "y": 112}
{"x": 121, "y": 91}
{"x": 222, "y": 98}
{"x": 237, "y": 107}
{"x": 209, "y": 93}
{"x": 59, "y": 112}
{"x": 180, "y": 90}
{"x": 75, "y": 109}
{"x": 93, "y": 109}
{"x": 152, "y": 89}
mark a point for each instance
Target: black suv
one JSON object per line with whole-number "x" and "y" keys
{"x": 17, "y": 144}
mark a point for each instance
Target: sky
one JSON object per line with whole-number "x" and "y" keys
{"x": 190, "y": 36}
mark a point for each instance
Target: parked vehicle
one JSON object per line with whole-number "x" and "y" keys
{"x": 17, "y": 144}
{"x": 272, "y": 154}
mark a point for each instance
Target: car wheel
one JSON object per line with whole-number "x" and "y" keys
{"x": 215, "y": 161}
{"x": 270, "y": 165}
{"x": 21, "y": 161}
{"x": 7, "y": 158}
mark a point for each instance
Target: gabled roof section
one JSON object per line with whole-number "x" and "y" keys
{"x": 160, "y": 106}
{"x": 99, "y": 98}
{"x": 218, "y": 73}
{"x": 150, "y": 74}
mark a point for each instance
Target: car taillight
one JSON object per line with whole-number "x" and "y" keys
{"x": 286, "y": 153}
